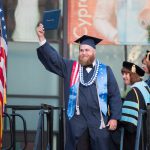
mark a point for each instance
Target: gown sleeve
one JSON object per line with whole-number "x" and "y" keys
{"x": 114, "y": 98}
{"x": 52, "y": 61}
{"x": 130, "y": 111}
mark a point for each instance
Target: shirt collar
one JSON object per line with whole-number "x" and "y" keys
{"x": 88, "y": 69}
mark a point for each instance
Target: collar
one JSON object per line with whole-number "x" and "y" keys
{"x": 88, "y": 69}
{"x": 139, "y": 83}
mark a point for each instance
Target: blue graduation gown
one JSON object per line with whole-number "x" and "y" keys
{"x": 88, "y": 102}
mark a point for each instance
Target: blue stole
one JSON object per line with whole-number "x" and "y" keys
{"x": 101, "y": 89}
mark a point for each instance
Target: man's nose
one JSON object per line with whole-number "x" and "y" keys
{"x": 84, "y": 51}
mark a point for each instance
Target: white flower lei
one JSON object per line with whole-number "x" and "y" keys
{"x": 93, "y": 78}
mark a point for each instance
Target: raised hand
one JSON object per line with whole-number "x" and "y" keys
{"x": 40, "y": 32}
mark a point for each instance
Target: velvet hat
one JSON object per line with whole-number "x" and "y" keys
{"x": 133, "y": 68}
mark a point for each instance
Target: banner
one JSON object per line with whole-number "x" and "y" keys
{"x": 80, "y": 19}
{"x": 124, "y": 22}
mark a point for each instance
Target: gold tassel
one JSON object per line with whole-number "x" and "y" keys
{"x": 133, "y": 69}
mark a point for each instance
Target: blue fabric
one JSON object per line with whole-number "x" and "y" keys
{"x": 131, "y": 104}
{"x": 102, "y": 92}
{"x": 129, "y": 119}
{"x": 130, "y": 111}
{"x": 102, "y": 88}
{"x": 141, "y": 86}
{"x": 72, "y": 100}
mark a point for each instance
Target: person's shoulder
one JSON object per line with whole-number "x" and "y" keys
{"x": 109, "y": 69}
{"x": 131, "y": 94}
{"x": 131, "y": 91}
{"x": 71, "y": 62}
{"x": 107, "y": 66}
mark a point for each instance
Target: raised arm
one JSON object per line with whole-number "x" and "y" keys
{"x": 114, "y": 100}
{"x": 49, "y": 56}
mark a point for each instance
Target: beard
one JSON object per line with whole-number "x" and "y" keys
{"x": 86, "y": 60}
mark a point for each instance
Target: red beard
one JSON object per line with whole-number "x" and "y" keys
{"x": 86, "y": 60}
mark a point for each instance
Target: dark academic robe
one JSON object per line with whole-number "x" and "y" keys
{"x": 130, "y": 129}
{"x": 89, "y": 118}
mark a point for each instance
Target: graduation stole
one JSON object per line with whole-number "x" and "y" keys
{"x": 141, "y": 86}
{"x": 130, "y": 108}
{"x": 74, "y": 87}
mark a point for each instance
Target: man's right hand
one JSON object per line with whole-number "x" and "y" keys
{"x": 40, "y": 32}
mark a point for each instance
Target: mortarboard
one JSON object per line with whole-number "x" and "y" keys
{"x": 51, "y": 19}
{"x": 133, "y": 68}
{"x": 88, "y": 40}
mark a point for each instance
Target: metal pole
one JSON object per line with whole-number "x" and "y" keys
{"x": 65, "y": 28}
{"x": 139, "y": 127}
{"x": 42, "y": 131}
{"x": 38, "y": 137}
{"x": 48, "y": 132}
{"x": 122, "y": 136}
{"x": 61, "y": 130}
{"x": 126, "y": 56}
{"x": 50, "y": 129}
{"x": 13, "y": 130}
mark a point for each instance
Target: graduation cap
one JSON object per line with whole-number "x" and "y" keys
{"x": 148, "y": 55}
{"x": 51, "y": 19}
{"x": 133, "y": 68}
{"x": 88, "y": 40}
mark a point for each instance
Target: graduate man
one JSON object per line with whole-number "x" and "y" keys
{"x": 89, "y": 87}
